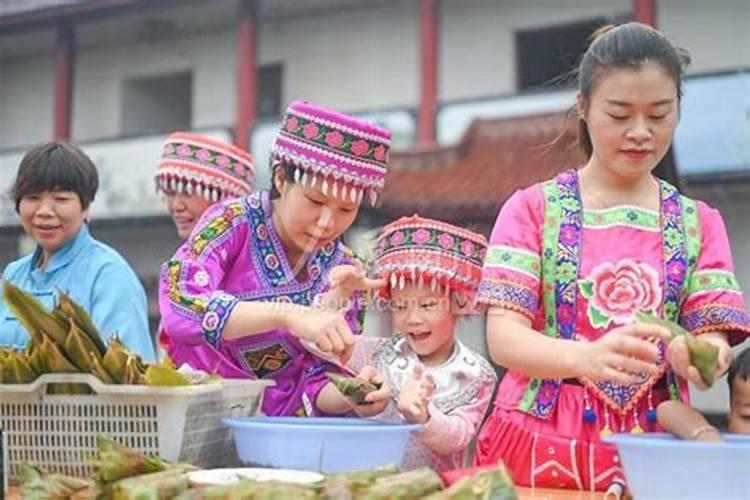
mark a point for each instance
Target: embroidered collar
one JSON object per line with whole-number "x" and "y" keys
{"x": 269, "y": 257}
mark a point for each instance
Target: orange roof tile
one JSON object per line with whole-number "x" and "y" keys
{"x": 472, "y": 179}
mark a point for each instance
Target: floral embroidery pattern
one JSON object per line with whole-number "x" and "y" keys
{"x": 560, "y": 259}
{"x": 501, "y": 256}
{"x": 206, "y": 158}
{"x": 434, "y": 239}
{"x": 621, "y": 216}
{"x": 509, "y": 294}
{"x": 616, "y": 291}
{"x": 716, "y": 317}
{"x": 215, "y": 317}
{"x": 217, "y": 229}
{"x": 712, "y": 280}
{"x": 190, "y": 305}
{"x": 273, "y": 269}
{"x": 331, "y": 138}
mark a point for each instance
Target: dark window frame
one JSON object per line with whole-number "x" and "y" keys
{"x": 577, "y": 32}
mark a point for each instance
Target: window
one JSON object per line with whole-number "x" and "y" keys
{"x": 270, "y": 78}
{"x": 546, "y": 54}
{"x": 157, "y": 104}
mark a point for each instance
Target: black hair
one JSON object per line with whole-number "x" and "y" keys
{"x": 288, "y": 175}
{"x": 627, "y": 46}
{"x": 56, "y": 166}
{"x": 739, "y": 369}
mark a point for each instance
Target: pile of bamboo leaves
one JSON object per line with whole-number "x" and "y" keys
{"x": 121, "y": 473}
{"x": 65, "y": 340}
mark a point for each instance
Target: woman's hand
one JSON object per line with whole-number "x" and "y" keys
{"x": 679, "y": 358}
{"x": 621, "y": 354}
{"x": 376, "y": 401}
{"x": 327, "y": 329}
{"x": 416, "y": 394}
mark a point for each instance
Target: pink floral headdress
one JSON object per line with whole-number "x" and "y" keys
{"x": 430, "y": 253}
{"x": 350, "y": 154}
{"x": 195, "y": 164}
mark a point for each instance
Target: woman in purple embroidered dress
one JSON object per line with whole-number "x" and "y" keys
{"x": 254, "y": 282}
{"x": 196, "y": 171}
{"x": 570, "y": 262}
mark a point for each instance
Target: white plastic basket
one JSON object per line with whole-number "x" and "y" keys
{"x": 58, "y": 432}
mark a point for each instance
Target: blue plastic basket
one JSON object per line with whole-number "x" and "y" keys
{"x": 319, "y": 444}
{"x": 658, "y": 466}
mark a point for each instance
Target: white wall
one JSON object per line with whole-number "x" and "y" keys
{"x": 26, "y": 99}
{"x": 337, "y": 60}
{"x": 356, "y": 58}
{"x": 716, "y": 33}
{"x": 101, "y": 72}
{"x": 352, "y": 60}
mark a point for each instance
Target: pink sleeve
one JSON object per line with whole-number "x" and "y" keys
{"x": 451, "y": 433}
{"x": 364, "y": 349}
{"x": 193, "y": 307}
{"x": 713, "y": 299}
{"x": 512, "y": 267}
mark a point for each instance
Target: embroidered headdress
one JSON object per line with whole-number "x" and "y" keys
{"x": 430, "y": 253}
{"x": 350, "y": 154}
{"x": 195, "y": 164}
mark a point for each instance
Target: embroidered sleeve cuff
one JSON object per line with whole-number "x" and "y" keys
{"x": 217, "y": 313}
{"x": 509, "y": 295}
{"x": 718, "y": 318}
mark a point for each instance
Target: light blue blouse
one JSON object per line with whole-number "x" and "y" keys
{"x": 97, "y": 278}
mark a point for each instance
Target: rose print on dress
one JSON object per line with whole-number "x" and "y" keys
{"x": 615, "y": 291}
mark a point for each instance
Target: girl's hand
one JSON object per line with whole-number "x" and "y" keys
{"x": 679, "y": 358}
{"x": 376, "y": 400}
{"x": 622, "y": 354}
{"x": 415, "y": 396}
{"x": 347, "y": 279}
{"x": 327, "y": 329}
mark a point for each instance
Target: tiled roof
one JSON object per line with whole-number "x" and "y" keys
{"x": 471, "y": 180}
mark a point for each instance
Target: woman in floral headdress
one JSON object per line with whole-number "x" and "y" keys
{"x": 195, "y": 172}
{"x": 254, "y": 282}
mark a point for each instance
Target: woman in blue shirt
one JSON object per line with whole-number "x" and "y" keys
{"x": 55, "y": 185}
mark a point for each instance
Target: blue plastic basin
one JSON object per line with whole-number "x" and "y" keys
{"x": 659, "y": 466}
{"x": 319, "y": 444}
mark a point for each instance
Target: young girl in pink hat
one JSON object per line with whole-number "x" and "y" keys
{"x": 431, "y": 270}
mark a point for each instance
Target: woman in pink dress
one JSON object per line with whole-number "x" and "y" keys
{"x": 572, "y": 259}
{"x": 251, "y": 289}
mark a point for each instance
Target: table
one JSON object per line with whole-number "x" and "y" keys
{"x": 550, "y": 494}
{"x": 523, "y": 494}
